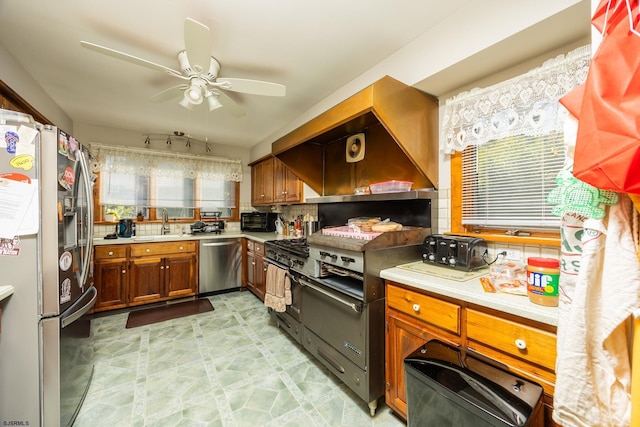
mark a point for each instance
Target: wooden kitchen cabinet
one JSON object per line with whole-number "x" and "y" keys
{"x": 143, "y": 273}
{"x": 146, "y": 280}
{"x": 256, "y": 272}
{"x": 413, "y": 317}
{"x": 262, "y": 182}
{"x": 161, "y": 271}
{"x": 273, "y": 183}
{"x": 111, "y": 277}
{"x": 287, "y": 187}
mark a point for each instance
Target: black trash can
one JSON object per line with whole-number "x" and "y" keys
{"x": 448, "y": 386}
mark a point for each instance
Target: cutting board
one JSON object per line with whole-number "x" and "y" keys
{"x": 444, "y": 272}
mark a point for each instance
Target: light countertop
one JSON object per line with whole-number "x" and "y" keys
{"x": 5, "y": 291}
{"x": 261, "y": 237}
{"x": 471, "y": 291}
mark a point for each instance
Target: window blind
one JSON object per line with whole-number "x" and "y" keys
{"x": 506, "y": 182}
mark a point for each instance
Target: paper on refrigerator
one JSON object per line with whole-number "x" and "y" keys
{"x": 18, "y": 211}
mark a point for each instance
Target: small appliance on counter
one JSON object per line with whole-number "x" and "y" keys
{"x": 125, "y": 228}
{"x": 458, "y": 252}
{"x": 258, "y": 221}
{"x": 210, "y": 222}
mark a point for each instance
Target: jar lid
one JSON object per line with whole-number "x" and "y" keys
{"x": 543, "y": 262}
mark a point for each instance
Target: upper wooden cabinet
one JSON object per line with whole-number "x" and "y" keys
{"x": 262, "y": 182}
{"x": 273, "y": 183}
{"x": 287, "y": 188}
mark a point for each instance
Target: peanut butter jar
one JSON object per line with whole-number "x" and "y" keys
{"x": 543, "y": 281}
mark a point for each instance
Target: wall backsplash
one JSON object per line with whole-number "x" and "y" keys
{"x": 293, "y": 211}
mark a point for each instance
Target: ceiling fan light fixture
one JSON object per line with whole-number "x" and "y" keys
{"x": 194, "y": 94}
{"x": 213, "y": 101}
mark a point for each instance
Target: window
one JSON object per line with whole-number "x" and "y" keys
{"x": 136, "y": 181}
{"x": 505, "y": 183}
{"x": 507, "y": 146}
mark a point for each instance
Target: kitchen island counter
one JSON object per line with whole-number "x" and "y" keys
{"x": 471, "y": 291}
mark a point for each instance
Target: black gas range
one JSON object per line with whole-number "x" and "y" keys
{"x": 290, "y": 253}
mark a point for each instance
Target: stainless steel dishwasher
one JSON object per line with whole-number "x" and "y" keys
{"x": 220, "y": 265}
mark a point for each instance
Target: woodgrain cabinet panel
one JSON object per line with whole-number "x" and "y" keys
{"x": 143, "y": 273}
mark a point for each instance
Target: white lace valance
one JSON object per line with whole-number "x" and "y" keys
{"x": 525, "y": 105}
{"x": 145, "y": 162}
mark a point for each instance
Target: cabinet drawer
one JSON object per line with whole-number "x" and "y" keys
{"x": 258, "y": 248}
{"x": 516, "y": 339}
{"x": 111, "y": 251}
{"x": 144, "y": 249}
{"x": 442, "y": 314}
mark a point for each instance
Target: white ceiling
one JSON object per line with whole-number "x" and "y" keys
{"x": 313, "y": 48}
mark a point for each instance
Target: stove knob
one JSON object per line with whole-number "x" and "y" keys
{"x": 290, "y": 263}
{"x": 452, "y": 261}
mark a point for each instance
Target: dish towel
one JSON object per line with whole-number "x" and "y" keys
{"x": 278, "y": 288}
{"x": 593, "y": 369}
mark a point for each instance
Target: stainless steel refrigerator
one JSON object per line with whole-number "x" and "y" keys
{"x": 46, "y": 232}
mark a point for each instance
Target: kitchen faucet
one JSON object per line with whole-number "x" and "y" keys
{"x": 165, "y": 223}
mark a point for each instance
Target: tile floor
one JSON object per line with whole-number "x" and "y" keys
{"x": 229, "y": 367}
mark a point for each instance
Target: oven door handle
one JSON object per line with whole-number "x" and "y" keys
{"x": 355, "y": 307}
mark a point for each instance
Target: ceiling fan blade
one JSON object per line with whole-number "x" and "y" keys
{"x": 129, "y": 58}
{"x": 197, "y": 42}
{"x": 230, "y": 106}
{"x": 172, "y": 92}
{"x": 254, "y": 87}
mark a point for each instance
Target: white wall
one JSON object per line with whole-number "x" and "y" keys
{"x": 18, "y": 79}
{"x": 478, "y": 28}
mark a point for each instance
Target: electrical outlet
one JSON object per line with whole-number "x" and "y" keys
{"x": 512, "y": 254}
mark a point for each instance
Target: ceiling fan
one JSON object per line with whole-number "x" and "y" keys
{"x": 200, "y": 71}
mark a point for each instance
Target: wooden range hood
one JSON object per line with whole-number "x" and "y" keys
{"x": 400, "y": 124}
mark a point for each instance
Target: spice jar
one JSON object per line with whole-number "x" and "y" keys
{"x": 543, "y": 280}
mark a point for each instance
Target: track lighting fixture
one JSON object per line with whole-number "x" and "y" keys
{"x": 188, "y": 140}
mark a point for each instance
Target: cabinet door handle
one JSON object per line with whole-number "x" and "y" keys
{"x": 167, "y": 267}
{"x": 124, "y": 271}
{"x": 521, "y": 344}
{"x": 416, "y": 307}
{"x": 162, "y": 267}
{"x": 148, "y": 250}
{"x": 181, "y": 248}
{"x": 110, "y": 253}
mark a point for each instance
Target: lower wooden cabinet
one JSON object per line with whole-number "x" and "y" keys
{"x": 129, "y": 275}
{"x": 111, "y": 277}
{"x": 526, "y": 348}
{"x": 412, "y": 319}
{"x": 255, "y": 268}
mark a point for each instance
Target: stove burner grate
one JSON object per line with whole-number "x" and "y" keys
{"x": 297, "y": 247}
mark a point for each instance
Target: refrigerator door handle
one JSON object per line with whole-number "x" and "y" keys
{"x": 89, "y": 197}
{"x": 74, "y": 312}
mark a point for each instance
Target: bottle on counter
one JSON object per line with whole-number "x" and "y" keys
{"x": 543, "y": 281}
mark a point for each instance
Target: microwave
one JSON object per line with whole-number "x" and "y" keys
{"x": 258, "y": 221}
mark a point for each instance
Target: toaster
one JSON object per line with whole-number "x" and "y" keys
{"x": 458, "y": 252}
